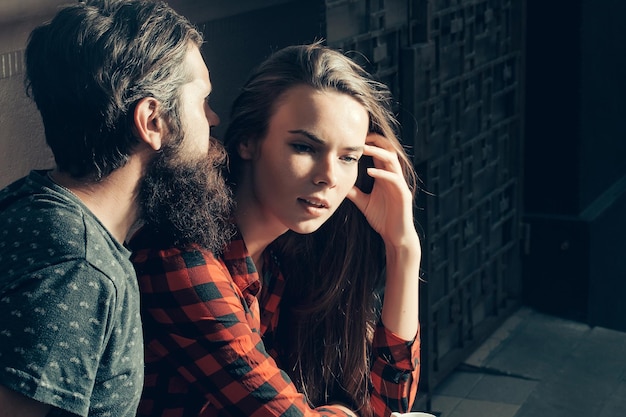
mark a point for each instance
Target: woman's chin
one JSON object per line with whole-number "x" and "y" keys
{"x": 305, "y": 228}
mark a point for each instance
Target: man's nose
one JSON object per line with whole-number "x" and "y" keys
{"x": 214, "y": 119}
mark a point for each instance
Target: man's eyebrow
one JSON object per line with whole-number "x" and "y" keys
{"x": 321, "y": 141}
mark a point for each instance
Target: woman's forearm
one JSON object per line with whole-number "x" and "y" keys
{"x": 400, "y": 312}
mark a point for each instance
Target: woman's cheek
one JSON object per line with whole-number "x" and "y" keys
{"x": 354, "y": 175}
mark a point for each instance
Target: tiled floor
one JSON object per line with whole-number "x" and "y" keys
{"x": 536, "y": 365}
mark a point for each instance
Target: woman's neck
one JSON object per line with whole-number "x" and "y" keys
{"x": 257, "y": 229}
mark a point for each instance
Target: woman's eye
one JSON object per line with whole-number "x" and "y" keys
{"x": 301, "y": 148}
{"x": 350, "y": 158}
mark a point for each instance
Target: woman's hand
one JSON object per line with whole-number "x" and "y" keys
{"x": 389, "y": 207}
{"x": 389, "y": 210}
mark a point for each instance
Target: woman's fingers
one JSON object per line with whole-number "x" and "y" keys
{"x": 380, "y": 141}
{"x": 388, "y": 207}
{"x": 383, "y": 159}
{"x": 386, "y": 165}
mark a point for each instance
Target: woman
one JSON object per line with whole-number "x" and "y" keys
{"x": 222, "y": 337}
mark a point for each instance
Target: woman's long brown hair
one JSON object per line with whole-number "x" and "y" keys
{"x": 334, "y": 276}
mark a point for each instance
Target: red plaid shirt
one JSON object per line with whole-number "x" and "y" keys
{"x": 204, "y": 323}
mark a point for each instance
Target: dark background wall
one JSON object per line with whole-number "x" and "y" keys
{"x": 238, "y": 42}
{"x": 575, "y": 160}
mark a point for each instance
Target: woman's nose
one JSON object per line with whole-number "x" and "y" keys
{"x": 326, "y": 173}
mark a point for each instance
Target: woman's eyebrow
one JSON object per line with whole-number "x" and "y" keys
{"x": 313, "y": 137}
{"x": 309, "y": 135}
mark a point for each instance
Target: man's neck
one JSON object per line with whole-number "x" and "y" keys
{"x": 113, "y": 200}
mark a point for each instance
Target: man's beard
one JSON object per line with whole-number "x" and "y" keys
{"x": 188, "y": 202}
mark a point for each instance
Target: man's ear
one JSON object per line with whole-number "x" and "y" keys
{"x": 247, "y": 148}
{"x": 148, "y": 124}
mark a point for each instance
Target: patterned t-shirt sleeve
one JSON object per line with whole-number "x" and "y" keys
{"x": 70, "y": 330}
{"x": 210, "y": 334}
{"x": 53, "y": 327}
{"x": 395, "y": 372}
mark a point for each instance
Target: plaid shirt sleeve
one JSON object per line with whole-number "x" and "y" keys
{"x": 203, "y": 344}
{"x": 395, "y": 372}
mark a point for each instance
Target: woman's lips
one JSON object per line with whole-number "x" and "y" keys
{"x": 314, "y": 203}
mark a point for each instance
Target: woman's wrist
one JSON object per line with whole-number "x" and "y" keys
{"x": 408, "y": 244}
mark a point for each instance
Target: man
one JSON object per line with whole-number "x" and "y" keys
{"x": 122, "y": 90}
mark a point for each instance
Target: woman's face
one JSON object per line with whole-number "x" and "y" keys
{"x": 304, "y": 167}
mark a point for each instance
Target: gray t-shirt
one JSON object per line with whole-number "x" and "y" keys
{"x": 70, "y": 329}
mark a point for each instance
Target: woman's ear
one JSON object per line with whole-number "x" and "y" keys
{"x": 149, "y": 126}
{"x": 247, "y": 148}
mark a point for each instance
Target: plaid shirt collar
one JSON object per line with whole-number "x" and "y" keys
{"x": 239, "y": 263}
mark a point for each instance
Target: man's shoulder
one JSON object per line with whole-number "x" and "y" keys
{"x": 34, "y": 203}
{"x": 40, "y": 226}
{"x": 37, "y": 228}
